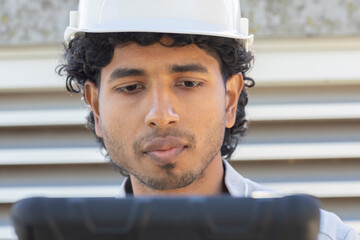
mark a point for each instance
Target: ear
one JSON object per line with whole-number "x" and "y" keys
{"x": 234, "y": 86}
{"x": 92, "y": 98}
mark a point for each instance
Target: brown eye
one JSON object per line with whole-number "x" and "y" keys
{"x": 130, "y": 88}
{"x": 190, "y": 84}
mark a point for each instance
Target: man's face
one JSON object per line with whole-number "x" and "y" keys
{"x": 161, "y": 112}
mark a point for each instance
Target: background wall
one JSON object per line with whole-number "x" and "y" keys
{"x": 43, "y": 21}
{"x": 304, "y": 111}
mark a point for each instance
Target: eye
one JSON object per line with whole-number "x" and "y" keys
{"x": 130, "y": 89}
{"x": 190, "y": 84}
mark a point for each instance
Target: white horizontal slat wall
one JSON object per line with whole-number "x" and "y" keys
{"x": 304, "y": 116}
{"x": 304, "y": 127}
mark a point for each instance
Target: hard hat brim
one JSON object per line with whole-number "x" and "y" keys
{"x": 146, "y": 25}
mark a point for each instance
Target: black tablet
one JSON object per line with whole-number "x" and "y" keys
{"x": 190, "y": 218}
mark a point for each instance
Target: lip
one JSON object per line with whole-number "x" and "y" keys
{"x": 165, "y": 150}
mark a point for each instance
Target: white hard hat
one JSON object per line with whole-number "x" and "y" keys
{"x": 203, "y": 17}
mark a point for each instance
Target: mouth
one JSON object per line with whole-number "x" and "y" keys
{"x": 165, "y": 150}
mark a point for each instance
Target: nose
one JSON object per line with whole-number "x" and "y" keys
{"x": 161, "y": 112}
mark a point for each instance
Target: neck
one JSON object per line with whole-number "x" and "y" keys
{"x": 210, "y": 182}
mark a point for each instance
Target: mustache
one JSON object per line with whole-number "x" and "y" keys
{"x": 186, "y": 136}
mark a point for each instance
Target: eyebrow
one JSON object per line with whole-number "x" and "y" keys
{"x": 126, "y": 72}
{"x": 175, "y": 68}
{"x": 192, "y": 67}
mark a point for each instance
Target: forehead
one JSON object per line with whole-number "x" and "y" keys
{"x": 155, "y": 55}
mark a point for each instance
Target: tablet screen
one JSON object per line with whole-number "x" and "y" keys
{"x": 191, "y": 218}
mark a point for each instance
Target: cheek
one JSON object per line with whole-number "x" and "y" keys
{"x": 112, "y": 115}
{"x": 122, "y": 120}
{"x": 217, "y": 102}
{"x": 203, "y": 114}
{"x": 207, "y": 112}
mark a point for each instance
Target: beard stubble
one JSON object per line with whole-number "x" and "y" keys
{"x": 169, "y": 180}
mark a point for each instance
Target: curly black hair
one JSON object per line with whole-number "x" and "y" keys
{"x": 88, "y": 53}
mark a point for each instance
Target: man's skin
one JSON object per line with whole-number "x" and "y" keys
{"x": 162, "y": 112}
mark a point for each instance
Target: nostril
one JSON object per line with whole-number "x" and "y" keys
{"x": 161, "y": 119}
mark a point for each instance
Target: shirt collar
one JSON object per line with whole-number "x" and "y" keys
{"x": 234, "y": 182}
